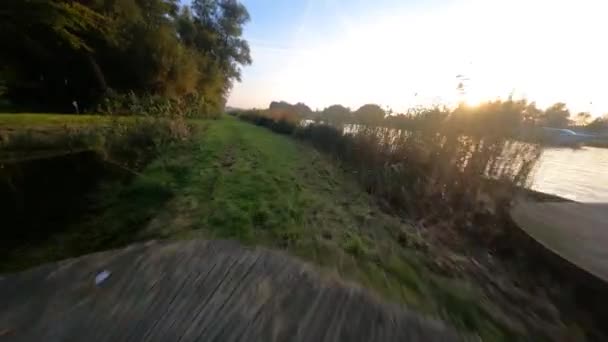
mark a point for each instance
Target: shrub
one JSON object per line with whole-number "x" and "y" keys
{"x": 188, "y": 106}
{"x": 131, "y": 143}
{"x": 66, "y": 138}
{"x": 279, "y": 120}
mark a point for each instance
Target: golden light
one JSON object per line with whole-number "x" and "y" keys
{"x": 408, "y": 57}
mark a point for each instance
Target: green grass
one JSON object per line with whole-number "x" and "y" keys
{"x": 31, "y": 120}
{"x": 27, "y": 136}
{"x": 239, "y": 181}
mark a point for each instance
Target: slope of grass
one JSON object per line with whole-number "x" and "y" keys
{"x": 239, "y": 181}
{"x": 35, "y": 120}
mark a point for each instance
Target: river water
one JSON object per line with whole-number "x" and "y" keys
{"x": 576, "y": 174}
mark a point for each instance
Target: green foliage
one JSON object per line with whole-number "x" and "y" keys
{"x": 129, "y": 143}
{"x": 582, "y": 118}
{"x": 68, "y": 139}
{"x": 557, "y": 116}
{"x": 60, "y": 52}
{"x": 134, "y": 144}
{"x": 190, "y": 106}
{"x": 41, "y": 25}
{"x": 50, "y": 121}
{"x": 280, "y": 120}
{"x": 369, "y": 114}
{"x": 441, "y": 164}
{"x": 236, "y": 180}
{"x": 336, "y": 115}
{"x": 355, "y": 246}
{"x": 598, "y": 125}
{"x": 515, "y": 118}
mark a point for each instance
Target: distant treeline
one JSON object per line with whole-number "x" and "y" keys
{"x": 507, "y": 117}
{"x": 68, "y": 56}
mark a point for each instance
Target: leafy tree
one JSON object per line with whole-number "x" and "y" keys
{"x": 279, "y": 105}
{"x": 369, "y": 114}
{"x": 303, "y": 110}
{"x": 218, "y": 28}
{"x": 557, "y": 116}
{"x": 57, "y": 51}
{"x": 583, "y": 118}
{"x": 46, "y": 50}
{"x": 598, "y": 125}
{"x": 532, "y": 114}
{"x": 336, "y": 115}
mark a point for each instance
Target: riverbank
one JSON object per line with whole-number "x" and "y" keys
{"x": 237, "y": 181}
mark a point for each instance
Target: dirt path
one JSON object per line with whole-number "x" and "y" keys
{"x": 577, "y": 232}
{"x": 197, "y": 290}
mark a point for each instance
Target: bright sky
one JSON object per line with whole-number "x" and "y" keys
{"x": 402, "y": 53}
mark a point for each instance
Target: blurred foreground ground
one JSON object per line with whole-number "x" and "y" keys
{"x": 197, "y": 291}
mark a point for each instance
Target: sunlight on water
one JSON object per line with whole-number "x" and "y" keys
{"x": 580, "y": 175}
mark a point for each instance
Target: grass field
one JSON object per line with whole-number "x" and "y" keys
{"x": 239, "y": 181}
{"x": 37, "y": 121}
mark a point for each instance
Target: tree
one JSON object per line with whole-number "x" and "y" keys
{"x": 583, "y": 118}
{"x": 303, "y": 110}
{"x": 598, "y": 125}
{"x": 532, "y": 114}
{"x": 219, "y": 28}
{"x": 557, "y": 116}
{"x": 57, "y": 51}
{"x": 46, "y": 48}
{"x": 369, "y": 114}
{"x": 280, "y": 105}
{"x": 336, "y": 115}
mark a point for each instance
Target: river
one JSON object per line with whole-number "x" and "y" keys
{"x": 577, "y": 174}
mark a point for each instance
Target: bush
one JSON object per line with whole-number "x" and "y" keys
{"x": 279, "y": 120}
{"x": 66, "y": 138}
{"x": 131, "y": 143}
{"x": 189, "y": 106}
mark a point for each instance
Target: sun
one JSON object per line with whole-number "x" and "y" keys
{"x": 473, "y": 100}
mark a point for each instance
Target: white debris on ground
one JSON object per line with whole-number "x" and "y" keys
{"x": 102, "y": 276}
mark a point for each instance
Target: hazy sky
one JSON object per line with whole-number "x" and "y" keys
{"x": 405, "y": 53}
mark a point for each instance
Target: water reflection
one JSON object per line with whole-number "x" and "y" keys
{"x": 580, "y": 175}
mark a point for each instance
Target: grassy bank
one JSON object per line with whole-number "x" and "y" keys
{"x": 458, "y": 192}
{"x": 238, "y": 181}
{"x": 12, "y": 121}
{"x": 243, "y": 182}
{"x": 125, "y": 141}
